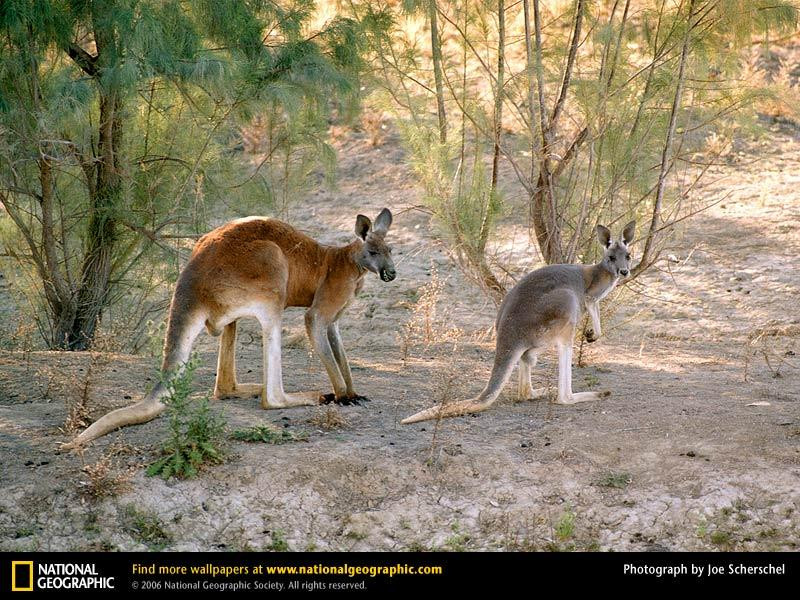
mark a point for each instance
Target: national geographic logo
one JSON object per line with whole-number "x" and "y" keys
{"x": 25, "y": 576}
{"x": 22, "y": 576}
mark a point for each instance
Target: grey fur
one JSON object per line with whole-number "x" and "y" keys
{"x": 541, "y": 311}
{"x": 376, "y": 254}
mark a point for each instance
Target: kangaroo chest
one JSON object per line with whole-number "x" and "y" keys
{"x": 599, "y": 283}
{"x": 600, "y": 292}
{"x": 359, "y": 286}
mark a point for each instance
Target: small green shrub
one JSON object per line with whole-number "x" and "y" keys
{"x": 457, "y": 542}
{"x": 195, "y": 430}
{"x": 721, "y": 538}
{"x": 146, "y": 528}
{"x": 565, "y": 528}
{"x": 268, "y": 434}
{"x": 278, "y": 542}
{"x": 615, "y": 480}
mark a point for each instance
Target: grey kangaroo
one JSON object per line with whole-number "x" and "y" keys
{"x": 542, "y": 311}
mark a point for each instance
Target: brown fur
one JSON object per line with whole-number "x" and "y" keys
{"x": 257, "y": 267}
{"x": 264, "y": 260}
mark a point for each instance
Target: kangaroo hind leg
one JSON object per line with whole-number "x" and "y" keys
{"x": 526, "y": 365}
{"x": 183, "y": 329}
{"x": 565, "y": 394}
{"x": 273, "y": 394}
{"x": 226, "y": 385}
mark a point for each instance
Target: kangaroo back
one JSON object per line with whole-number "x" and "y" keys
{"x": 542, "y": 311}
{"x": 255, "y": 267}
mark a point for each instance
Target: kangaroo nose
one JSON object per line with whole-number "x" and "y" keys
{"x": 624, "y": 272}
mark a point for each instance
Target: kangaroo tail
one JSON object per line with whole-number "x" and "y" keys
{"x": 182, "y": 330}
{"x": 504, "y": 361}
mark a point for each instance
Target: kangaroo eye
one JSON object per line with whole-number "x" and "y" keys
{"x": 627, "y": 257}
{"x": 373, "y": 253}
{"x": 612, "y": 258}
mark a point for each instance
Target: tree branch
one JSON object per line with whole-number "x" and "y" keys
{"x": 83, "y": 59}
{"x": 573, "y": 52}
{"x": 665, "y": 155}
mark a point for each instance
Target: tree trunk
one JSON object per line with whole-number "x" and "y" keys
{"x": 498, "y": 96}
{"x": 666, "y": 161}
{"x": 436, "y": 52}
{"x": 57, "y": 292}
{"x": 496, "y": 289}
{"x": 101, "y": 230}
{"x": 542, "y": 201}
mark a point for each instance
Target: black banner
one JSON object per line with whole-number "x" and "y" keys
{"x": 368, "y": 573}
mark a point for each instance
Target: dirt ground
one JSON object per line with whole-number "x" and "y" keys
{"x": 676, "y": 458}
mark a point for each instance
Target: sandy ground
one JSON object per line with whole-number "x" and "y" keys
{"x": 674, "y": 459}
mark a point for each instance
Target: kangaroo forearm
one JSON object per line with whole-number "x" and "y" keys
{"x": 339, "y": 354}
{"x": 594, "y": 313}
{"x": 598, "y": 331}
{"x": 334, "y": 373}
{"x": 317, "y": 333}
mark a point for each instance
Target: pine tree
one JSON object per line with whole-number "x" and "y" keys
{"x": 608, "y": 104}
{"x": 75, "y": 76}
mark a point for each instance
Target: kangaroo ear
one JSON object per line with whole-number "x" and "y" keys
{"x": 383, "y": 221}
{"x": 363, "y": 225}
{"x": 603, "y": 235}
{"x": 628, "y": 233}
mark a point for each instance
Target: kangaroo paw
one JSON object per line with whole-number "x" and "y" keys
{"x": 344, "y": 400}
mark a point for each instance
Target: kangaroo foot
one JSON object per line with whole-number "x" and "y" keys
{"x": 583, "y": 397}
{"x": 289, "y": 400}
{"x": 344, "y": 400}
{"x": 240, "y": 390}
{"x": 533, "y": 394}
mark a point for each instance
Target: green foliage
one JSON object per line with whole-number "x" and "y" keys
{"x": 268, "y": 434}
{"x": 183, "y": 83}
{"x": 145, "y": 527}
{"x": 456, "y": 188}
{"x": 721, "y": 538}
{"x": 615, "y": 480}
{"x": 459, "y": 541}
{"x": 565, "y": 528}
{"x": 278, "y": 542}
{"x": 605, "y": 150}
{"x": 195, "y": 430}
{"x": 702, "y": 530}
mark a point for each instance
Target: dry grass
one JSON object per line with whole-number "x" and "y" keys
{"x": 762, "y": 340}
{"x": 329, "y": 418}
{"x": 106, "y": 478}
{"x": 296, "y": 338}
{"x": 22, "y": 339}
{"x": 374, "y": 125}
{"x": 78, "y": 403}
{"x": 430, "y": 320}
{"x": 77, "y": 416}
{"x": 449, "y": 388}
